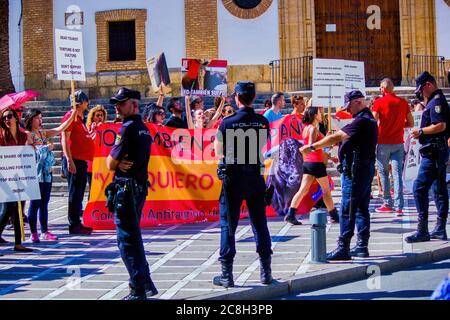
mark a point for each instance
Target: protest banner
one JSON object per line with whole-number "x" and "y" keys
{"x": 18, "y": 177}
{"x": 204, "y": 77}
{"x": 184, "y": 187}
{"x": 69, "y": 58}
{"x": 158, "y": 71}
{"x": 412, "y": 156}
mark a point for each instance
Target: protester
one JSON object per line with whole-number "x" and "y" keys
{"x": 197, "y": 103}
{"x": 153, "y": 114}
{"x": 175, "y": 120}
{"x": 267, "y": 105}
{"x": 12, "y": 135}
{"x": 78, "y": 148}
{"x": 393, "y": 116}
{"x": 95, "y": 118}
{"x": 227, "y": 111}
{"x": 129, "y": 159}
{"x": 298, "y": 103}
{"x": 357, "y": 156}
{"x": 314, "y": 169}
{"x": 197, "y": 118}
{"x": 40, "y": 140}
{"x": 278, "y": 103}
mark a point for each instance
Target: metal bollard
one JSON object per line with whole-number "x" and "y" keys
{"x": 318, "y": 219}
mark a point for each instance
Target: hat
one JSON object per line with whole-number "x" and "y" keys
{"x": 80, "y": 97}
{"x": 350, "y": 96}
{"x": 125, "y": 94}
{"x": 422, "y": 79}
{"x": 245, "y": 87}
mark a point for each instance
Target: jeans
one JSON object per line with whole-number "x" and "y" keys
{"x": 129, "y": 238}
{"x": 77, "y": 186}
{"x": 40, "y": 205}
{"x": 361, "y": 188}
{"x": 395, "y": 154}
{"x": 11, "y": 210}
{"x": 432, "y": 174}
{"x": 257, "y": 213}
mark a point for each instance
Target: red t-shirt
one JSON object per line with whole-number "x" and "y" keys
{"x": 392, "y": 112}
{"x": 315, "y": 156}
{"x": 80, "y": 143}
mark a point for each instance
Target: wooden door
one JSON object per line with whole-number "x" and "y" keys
{"x": 351, "y": 37}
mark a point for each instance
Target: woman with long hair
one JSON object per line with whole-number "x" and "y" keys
{"x": 40, "y": 140}
{"x": 153, "y": 114}
{"x": 12, "y": 135}
{"x": 197, "y": 119}
{"x": 96, "y": 116}
{"x": 313, "y": 168}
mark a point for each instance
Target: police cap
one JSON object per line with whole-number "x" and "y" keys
{"x": 125, "y": 94}
{"x": 245, "y": 87}
{"x": 80, "y": 97}
{"x": 350, "y": 96}
{"x": 423, "y": 78}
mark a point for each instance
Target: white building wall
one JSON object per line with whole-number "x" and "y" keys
{"x": 164, "y": 26}
{"x": 15, "y": 44}
{"x": 253, "y": 41}
{"x": 443, "y": 28}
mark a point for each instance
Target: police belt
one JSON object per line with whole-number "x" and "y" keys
{"x": 346, "y": 166}
{"x": 432, "y": 145}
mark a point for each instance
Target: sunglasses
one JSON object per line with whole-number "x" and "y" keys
{"x": 229, "y": 112}
{"x": 161, "y": 113}
{"x": 7, "y": 117}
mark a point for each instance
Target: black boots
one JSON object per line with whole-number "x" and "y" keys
{"x": 342, "y": 252}
{"x": 136, "y": 294}
{"x": 439, "y": 231}
{"x": 334, "y": 216}
{"x": 361, "y": 249}
{"x": 421, "y": 235}
{"x": 226, "y": 278}
{"x": 150, "y": 288}
{"x": 290, "y": 217}
{"x": 266, "y": 270}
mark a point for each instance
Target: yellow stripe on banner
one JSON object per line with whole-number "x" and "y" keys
{"x": 169, "y": 181}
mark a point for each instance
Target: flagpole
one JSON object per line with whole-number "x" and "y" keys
{"x": 22, "y": 229}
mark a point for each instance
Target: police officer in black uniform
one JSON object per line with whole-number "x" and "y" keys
{"x": 358, "y": 141}
{"x": 238, "y": 144}
{"x": 129, "y": 159}
{"x": 432, "y": 135}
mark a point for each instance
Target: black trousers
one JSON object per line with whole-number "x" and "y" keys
{"x": 11, "y": 210}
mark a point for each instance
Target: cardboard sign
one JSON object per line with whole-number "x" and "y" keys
{"x": 18, "y": 174}
{"x": 332, "y": 79}
{"x": 412, "y": 157}
{"x": 69, "y": 55}
{"x": 204, "y": 77}
{"x": 158, "y": 71}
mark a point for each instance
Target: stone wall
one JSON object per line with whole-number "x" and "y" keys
{"x": 102, "y": 85}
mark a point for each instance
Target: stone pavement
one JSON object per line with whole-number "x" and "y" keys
{"x": 183, "y": 259}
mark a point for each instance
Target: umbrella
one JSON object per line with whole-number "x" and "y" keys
{"x": 15, "y": 100}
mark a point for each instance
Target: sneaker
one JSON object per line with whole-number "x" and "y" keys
{"x": 34, "y": 238}
{"x": 48, "y": 236}
{"x": 399, "y": 213}
{"x": 384, "y": 209}
{"x": 81, "y": 230}
{"x": 290, "y": 219}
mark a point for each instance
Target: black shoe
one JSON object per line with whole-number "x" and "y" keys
{"x": 341, "y": 253}
{"x": 136, "y": 297}
{"x": 80, "y": 230}
{"x": 265, "y": 270}
{"x": 150, "y": 289}
{"x": 226, "y": 278}
{"x": 418, "y": 237}
{"x": 360, "y": 252}
{"x": 291, "y": 219}
{"x": 334, "y": 216}
{"x": 20, "y": 248}
{"x": 439, "y": 232}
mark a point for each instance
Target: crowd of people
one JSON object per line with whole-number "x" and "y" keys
{"x": 376, "y": 135}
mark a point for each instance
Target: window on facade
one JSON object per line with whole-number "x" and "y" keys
{"x": 247, "y": 4}
{"x": 122, "y": 41}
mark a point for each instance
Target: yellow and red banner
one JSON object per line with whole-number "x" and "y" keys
{"x": 184, "y": 187}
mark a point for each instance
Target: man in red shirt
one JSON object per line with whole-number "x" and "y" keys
{"x": 78, "y": 147}
{"x": 393, "y": 115}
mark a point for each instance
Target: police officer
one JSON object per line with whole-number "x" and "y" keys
{"x": 432, "y": 135}
{"x": 358, "y": 142}
{"x": 238, "y": 145}
{"x": 129, "y": 159}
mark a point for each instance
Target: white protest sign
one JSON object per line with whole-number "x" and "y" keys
{"x": 412, "y": 157}
{"x": 18, "y": 174}
{"x": 333, "y": 78}
{"x": 69, "y": 55}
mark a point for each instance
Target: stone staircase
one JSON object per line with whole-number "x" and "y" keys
{"x": 53, "y": 111}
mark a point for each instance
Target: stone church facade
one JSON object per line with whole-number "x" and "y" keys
{"x": 247, "y": 33}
